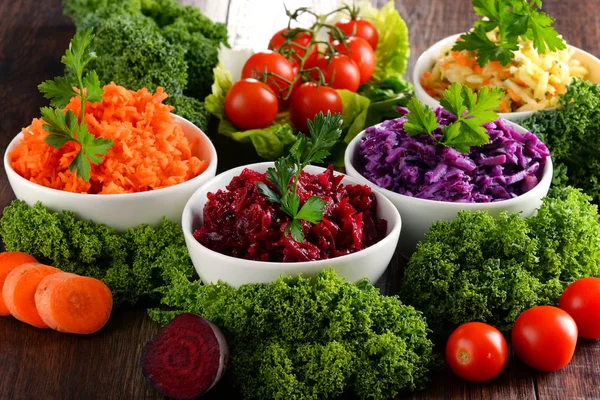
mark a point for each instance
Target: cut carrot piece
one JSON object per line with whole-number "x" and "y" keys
{"x": 513, "y": 95}
{"x": 426, "y": 74}
{"x": 19, "y": 291}
{"x": 9, "y": 260}
{"x": 72, "y": 303}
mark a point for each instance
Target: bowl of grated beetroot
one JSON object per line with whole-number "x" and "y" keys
{"x": 234, "y": 234}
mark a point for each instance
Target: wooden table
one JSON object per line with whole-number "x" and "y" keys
{"x": 41, "y": 364}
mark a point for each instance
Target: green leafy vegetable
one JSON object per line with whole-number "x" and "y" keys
{"x": 571, "y": 134}
{"x": 151, "y": 43}
{"x": 131, "y": 263}
{"x": 324, "y": 133}
{"x": 63, "y": 128}
{"x": 191, "y": 109}
{"x": 393, "y": 49}
{"x": 471, "y": 110}
{"x": 385, "y": 98}
{"x": 514, "y": 20}
{"x": 481, "y": 268}
{"x": 302, "y": 339}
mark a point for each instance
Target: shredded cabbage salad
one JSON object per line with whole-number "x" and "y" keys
{"x": 531, "y": 81}
{"x": 508, "y": 166}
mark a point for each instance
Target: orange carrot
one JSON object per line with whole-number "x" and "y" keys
{"x": 503, "y": 106}
{"x": 9, "y": 260}
{"x": 19, "y": 291}
{"x": 477, "y": 69}
{"x": 150, "y": 150}
{"x": 426, "y": 74}
{"x": 513, "y": 95}
{"x": 72, "y": 303}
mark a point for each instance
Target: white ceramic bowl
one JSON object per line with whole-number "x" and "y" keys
{"x": 427, "y": 59}
{"x": 121, "y": 211}
{"x": 213, "y": 266}
{"x": 419, "y": 214}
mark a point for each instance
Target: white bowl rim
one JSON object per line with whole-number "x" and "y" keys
{"x": 186, "y": 225}
{"x": 166, "y": 190}
{"x": 354, "y": 145}
{"x": 417, "y": 81}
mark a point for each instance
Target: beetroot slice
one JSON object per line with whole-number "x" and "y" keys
{"x": 186, "y": 358}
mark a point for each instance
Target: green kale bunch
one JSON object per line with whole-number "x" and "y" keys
{"x": 571, "y": 134}
{"x": 481, "y": 268}
{"x": 302, "y": 339}
{"x": 150, "y": 43}
{"x": 131, "y": 263}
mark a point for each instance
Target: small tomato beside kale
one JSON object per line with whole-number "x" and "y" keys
{"x": 544, "y": 338}
{"x": 476, "y": 352}
{"x": 308, "y": 100}
{"x": 581, "y": 299}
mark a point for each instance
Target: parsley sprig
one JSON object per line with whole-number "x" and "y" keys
{"x": 514, "y": 19}
{"x": 63, "y": 127}
{"x": 472, "y": 110}
{"x": 324, "y": 132}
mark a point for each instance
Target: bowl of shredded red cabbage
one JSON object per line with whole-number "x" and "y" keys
{"x": 511, "y": 164}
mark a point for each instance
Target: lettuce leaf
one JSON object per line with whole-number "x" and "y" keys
{"x": 215, "y": 102}
{"x": 393, "y": 48}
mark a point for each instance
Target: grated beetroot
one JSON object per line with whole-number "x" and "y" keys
{"x": 240, "y": 222}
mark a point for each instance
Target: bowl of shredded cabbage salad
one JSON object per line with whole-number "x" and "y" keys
{"x": 532, "y": 66}
{"x": 432, "y": 163}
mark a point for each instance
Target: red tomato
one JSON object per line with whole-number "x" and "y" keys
{"x": 250, "y": 104}
{"x": 362, "y": 53}
{"x": 270, "y": 62}
{"x": 340, "y": 71}
{"x": 476, "y": 352}
{"x": 581, "y": 299}
{"x": 296, "y": 48}
{"x": 544, "y": 338}
{"x": 308, "y": 100}
{"x": 361, "y": 28}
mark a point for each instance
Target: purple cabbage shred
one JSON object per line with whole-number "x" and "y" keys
{"x": 508, "y": 166}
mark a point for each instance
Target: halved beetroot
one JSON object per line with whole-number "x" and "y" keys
{"x": 186, "y": 358}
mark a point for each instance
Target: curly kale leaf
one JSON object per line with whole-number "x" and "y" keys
{"x": 131, "y": 263}
{"x": 481, "y": 268}
{"x": 571, "y": 134}
{"x": 303, "y": 339}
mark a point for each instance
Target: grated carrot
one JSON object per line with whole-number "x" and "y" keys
{"x": 150, "y": 150}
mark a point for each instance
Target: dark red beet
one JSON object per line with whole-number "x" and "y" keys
{"x": 186, "y": 358}
{"x": 240, "y": 222}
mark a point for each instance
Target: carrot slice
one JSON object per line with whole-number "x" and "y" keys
{"x": 19, "y": 291}
{"x": 72, "y": 303}
{"x": 9, "y": 260}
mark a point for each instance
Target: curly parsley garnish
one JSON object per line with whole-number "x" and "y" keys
{"x": 66, "y": 127}
{"x": 514, "y": 19}
{"x": 324, "y": 132}
{"x": 472, "y": 110}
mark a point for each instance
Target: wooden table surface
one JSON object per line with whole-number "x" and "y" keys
{"x": 42, "y": 364}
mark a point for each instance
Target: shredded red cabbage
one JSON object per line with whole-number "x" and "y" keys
{"x": 240, "y": 222}
{"x": 508, "y": 166}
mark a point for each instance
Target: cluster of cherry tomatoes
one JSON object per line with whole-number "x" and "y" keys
{"x": 543, "y": 337}
{"x": 295, "y": 74}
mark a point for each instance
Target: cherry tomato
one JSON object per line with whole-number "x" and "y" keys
{"x": 340, "y": 72}
{"x": 476, "y": 352}
{"x": 544, "y": 338}
{"x": 361, "y": 52}
{"x": 361, "y": 28}
{"x": 308, "y": 100}
{"x": 296, "y": 48}
{"x": 274, "y": 63}
{"x": 250, "y": 104}
{"x": 581, "y": 299}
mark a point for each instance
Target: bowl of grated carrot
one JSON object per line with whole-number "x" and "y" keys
{"x": 531, "y": 81}
{"x": 156, "y": 162}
